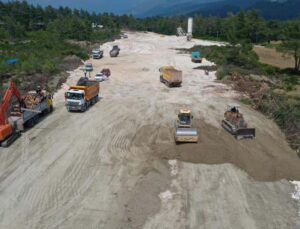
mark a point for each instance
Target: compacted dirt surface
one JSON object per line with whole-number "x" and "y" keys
{"x": 116, "y": 165}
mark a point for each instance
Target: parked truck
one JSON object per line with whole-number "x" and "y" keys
{"x": 115, "y": 51}
{"x": 97, "y": 54}
{"x": 24, "y": 111}
{"x": 170, "y": 76}
{"x": 196, "y": 57}
{"x": 83, "y": 95}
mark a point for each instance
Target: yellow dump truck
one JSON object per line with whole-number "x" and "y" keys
{"x": 170, "y": 76}
{"x": 81, "y": 96}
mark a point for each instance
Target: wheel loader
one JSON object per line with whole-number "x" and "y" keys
{"x": 184, "y": 130}
{"x": 235, "y": 123}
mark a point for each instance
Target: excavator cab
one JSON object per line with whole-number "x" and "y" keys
{"x": 184, "y": 130}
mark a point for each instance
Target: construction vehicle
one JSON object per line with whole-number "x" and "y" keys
{"x": 97, "y": 54}
{"x": 115, "y": 51}
{"x": 196, "y": 57}
{"x": 235, "y": 123}
{"x": 89, "y": 67}
{"x": 170, "y": 76}
{"x": 180, "y": 32}
{"x": 15, "y": 116}
{"x": 106, "y": 72}
{"x": 184, "y": 130}
{"x": 81, "y": 96}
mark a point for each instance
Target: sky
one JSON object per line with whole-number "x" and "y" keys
{"x": 116, "y": 6}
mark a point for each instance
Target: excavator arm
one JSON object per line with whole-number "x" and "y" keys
{"x": 5, "y": 128}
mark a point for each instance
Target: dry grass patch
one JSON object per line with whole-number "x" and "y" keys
{"x": 272, "y": 57}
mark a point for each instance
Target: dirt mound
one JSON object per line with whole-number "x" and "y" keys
{"x": 260, "y": 158}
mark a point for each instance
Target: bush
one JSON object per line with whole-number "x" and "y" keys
{"x": 48, "y": 67}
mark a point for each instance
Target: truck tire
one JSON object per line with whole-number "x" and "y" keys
{"x": 161, "y": 79}
{"x": 84, "y": 108}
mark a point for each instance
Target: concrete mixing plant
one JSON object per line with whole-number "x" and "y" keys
{"x": 189, "y": 34}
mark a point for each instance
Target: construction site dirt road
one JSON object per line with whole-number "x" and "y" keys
{"x": 117, "y": 166}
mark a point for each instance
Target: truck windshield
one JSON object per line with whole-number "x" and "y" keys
{"x": 75, "y": 96}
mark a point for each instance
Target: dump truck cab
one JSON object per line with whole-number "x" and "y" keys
{"x": 75, "y": 99}
{"x": 184, "y": 130}
{"x": 86, "y": 93}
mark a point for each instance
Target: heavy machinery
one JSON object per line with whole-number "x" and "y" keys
{"x": 81, "y": 96}
{"x": 24, "y": 112}
{"x": 235, "y": 123}
{"x": 184, "y": 130}
{"x": 170, "y": 76}
{"x": 180, "y": 32}
{"x": 115, "y": 51}
{"x": 196, "y": 57}
{"x": 97, "y": 54}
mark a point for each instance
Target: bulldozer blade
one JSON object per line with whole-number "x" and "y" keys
{"x": 245, "y": 133}
{"x": 238, "y": 133}
{"x": 186, "y": 135}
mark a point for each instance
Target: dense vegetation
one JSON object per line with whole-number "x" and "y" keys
{"x": 39, "y": 38}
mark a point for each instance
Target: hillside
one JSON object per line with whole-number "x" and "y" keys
{"x": 281, "y": 10}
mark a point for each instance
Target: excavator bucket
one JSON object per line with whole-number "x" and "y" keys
{"x": 186, "y": 135}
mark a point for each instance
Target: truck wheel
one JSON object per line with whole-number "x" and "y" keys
{"x": 84, "y": 108}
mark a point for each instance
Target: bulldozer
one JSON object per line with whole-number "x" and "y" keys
{"x": 235, "y": 123}
{"x": 184, "y": 130}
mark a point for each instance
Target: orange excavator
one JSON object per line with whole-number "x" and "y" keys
{"x": 15, "y": 117}
{"x": 8, "y": 131}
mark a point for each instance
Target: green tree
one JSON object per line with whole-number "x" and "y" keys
{"x": 292, "y": 43}
{"x": 292, "y": 47}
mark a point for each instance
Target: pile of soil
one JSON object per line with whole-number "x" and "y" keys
{"x": 260, "y": 158}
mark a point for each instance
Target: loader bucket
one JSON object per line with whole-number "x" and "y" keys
{"x": 245, "y": 133}
{"x": 186, "y": 135}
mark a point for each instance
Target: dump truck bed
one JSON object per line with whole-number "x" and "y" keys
{"x": 171, "y": 76}
{"x": 90, "y": 87}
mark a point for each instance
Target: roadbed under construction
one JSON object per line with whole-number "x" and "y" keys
{"x": 117, "y": 165}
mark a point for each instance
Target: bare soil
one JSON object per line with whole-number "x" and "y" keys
{"x": 272, "y": 57}
{"x": 116, "y": 165}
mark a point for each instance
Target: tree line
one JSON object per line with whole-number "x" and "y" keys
{"x": 18, "y": 18}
